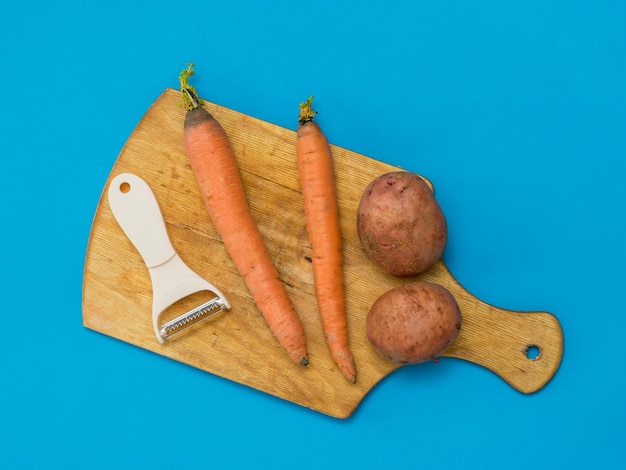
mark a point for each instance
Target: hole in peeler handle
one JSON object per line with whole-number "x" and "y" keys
{"x": 124, "y": 187}
{"x": 533, "y": 352}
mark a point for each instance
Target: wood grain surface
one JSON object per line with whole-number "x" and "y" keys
{"x": 237, "y": 345}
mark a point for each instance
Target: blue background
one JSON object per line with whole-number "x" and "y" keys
{"x": 515, "y": 110}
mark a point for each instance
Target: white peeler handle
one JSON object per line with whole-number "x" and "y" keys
{"x": 137, "y": 211}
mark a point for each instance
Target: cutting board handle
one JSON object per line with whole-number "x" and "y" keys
{"x": 524, "y": 348}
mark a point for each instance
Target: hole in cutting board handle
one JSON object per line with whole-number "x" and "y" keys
{"x": 533, "y": 352}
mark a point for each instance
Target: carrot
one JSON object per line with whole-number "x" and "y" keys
{"x": 214, "y": 165}
{"x": 319, "y": 192}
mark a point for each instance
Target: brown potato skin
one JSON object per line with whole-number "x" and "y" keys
{"x": 413, "y": 323}
{"x": 401, "y": 225}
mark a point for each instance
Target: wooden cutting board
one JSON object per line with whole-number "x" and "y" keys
{"x": 237, "y": 345}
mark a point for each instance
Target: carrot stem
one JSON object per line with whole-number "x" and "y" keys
{"x": 190, "y": 95}
{"x": 307, "y": 113}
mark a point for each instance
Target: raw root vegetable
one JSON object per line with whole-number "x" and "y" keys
{"x": 317, "y": 179}
{"x": 414, "y": 323}
{"x": 400, "y": 224}
{"x": 215, "y": 168}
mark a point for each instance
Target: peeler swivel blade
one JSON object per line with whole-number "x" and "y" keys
{"x": 137, "y": 212}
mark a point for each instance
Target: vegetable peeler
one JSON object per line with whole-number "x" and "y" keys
{"x": 136, "y": 210}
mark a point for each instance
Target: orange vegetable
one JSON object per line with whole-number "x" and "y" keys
{"x": 317, "y": 179}
{"x": 215, "y": 168}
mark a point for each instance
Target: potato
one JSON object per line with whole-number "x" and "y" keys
{"x": 401, "y": 225}
{"x": 413, "y": 323}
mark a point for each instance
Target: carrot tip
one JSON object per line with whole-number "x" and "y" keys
{"x": 304, "y": 361}
{"x": 351, "y": 376}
